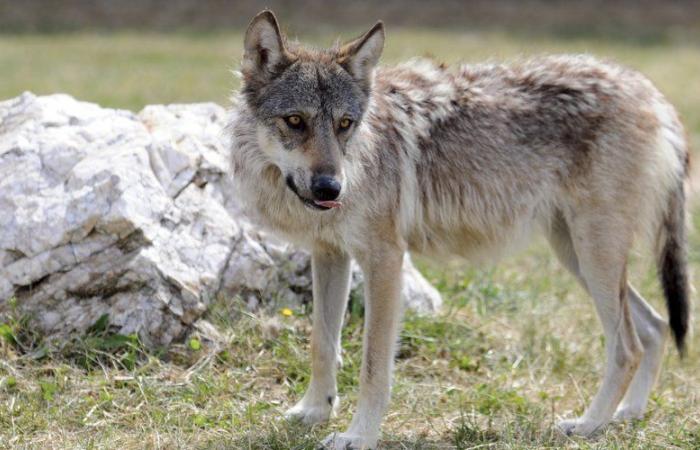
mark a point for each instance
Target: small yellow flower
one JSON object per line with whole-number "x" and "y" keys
{"x": 287, "y": 312}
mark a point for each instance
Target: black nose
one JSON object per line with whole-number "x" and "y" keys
{"x": 325, "y": 187}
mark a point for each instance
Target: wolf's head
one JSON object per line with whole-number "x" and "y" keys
{"x": 308, "y": 104}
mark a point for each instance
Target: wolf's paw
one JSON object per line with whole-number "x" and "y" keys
{"x": 346, "y": 441}
{"x": 310, "y": 413}
{"x": 579, "y": 427}
{"x": 628, "y": 412}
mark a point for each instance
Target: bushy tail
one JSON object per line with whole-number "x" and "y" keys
{"x": 672, "y": 265}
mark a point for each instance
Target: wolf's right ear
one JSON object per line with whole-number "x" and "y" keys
{"x": 264, "y": 46}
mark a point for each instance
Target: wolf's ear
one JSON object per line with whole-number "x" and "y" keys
{"x": 264, "y": 46}
{"x": 360, "y": 56}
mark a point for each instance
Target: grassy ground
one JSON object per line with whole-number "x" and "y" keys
{"x": 515, "y": 348}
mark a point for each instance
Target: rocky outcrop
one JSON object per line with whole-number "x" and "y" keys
{"x": 106, "y": 211}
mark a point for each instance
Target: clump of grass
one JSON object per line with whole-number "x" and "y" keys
{"x": 16, "y": 333}
{"x": 467, "y": 433}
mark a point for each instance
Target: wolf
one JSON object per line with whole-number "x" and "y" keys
{"x": 353, "y": 160}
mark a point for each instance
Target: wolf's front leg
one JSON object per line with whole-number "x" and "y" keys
{"x": 331, "y": 286}
{"x": 382, "y": 271}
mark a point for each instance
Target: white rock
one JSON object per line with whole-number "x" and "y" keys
{"x": 105, "y": 211}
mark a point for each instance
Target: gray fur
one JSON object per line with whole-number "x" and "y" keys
{"x": 466, "y": 162}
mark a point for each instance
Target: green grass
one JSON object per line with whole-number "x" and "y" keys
{"x": 515, "y": 348}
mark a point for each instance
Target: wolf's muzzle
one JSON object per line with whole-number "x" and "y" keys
{"x": 323, "y": 205}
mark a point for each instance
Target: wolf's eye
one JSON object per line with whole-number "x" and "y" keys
{"x": 345, "y": 123}
{"x": 294, "y": 121}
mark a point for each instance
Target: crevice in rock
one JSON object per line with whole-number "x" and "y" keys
{"x": 104, "y": 288}
{"x": 25, "y": 290}
{"x": 106, "y": 285}
{"x": 14, "y": 255}
{"x": 235, "y": 241}
{"x": 182, "y": 189}
{"x": 133, "y": 241}
{"x": 14, "y": 151}
{"x": 127, "y": 245}
{"x": 197, "y": 179}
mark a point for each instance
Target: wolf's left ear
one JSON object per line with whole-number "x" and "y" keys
{"x": 360, "y": 56}
{"x": 264, "y": 46}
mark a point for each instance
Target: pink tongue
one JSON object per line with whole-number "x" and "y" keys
{"x": 328, "y": 203}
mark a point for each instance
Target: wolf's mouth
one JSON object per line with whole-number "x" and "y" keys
{"x": 313, "y": 204}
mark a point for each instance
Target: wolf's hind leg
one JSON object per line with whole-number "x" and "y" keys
{"x": 650, "y": 326}
{"x": 331, "y": 287}
{"x": 601, "y": 256}
{"x": 648, "y": 323}
{"x": 653, "y": 332}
